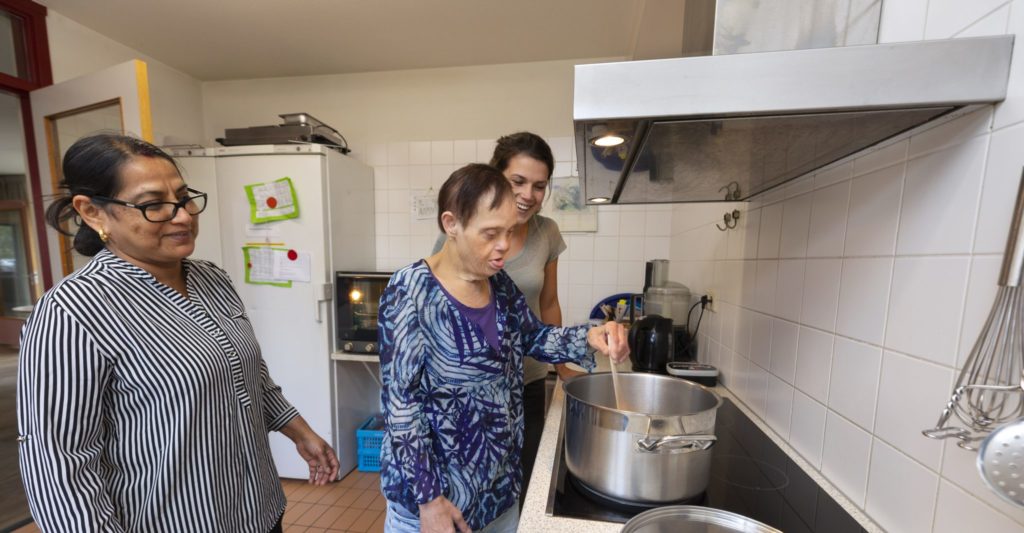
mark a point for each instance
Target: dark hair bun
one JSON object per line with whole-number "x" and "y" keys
{"x": 522, "y": 143}
{"x": 92, "y": 167}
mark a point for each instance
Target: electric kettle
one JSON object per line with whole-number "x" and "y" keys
{"x": 650, "y": 344}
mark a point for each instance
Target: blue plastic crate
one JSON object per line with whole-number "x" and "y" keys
{"x": 369, "y": 461}
{"x": 370, "y": 435}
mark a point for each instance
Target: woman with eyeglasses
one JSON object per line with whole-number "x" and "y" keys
{"x": 143, "y": 401}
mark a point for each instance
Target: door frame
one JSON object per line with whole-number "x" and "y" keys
{"x": 125, "y": 83}
{"x": 39, "y": 74}
{"x": 10, "y": 327}
{"x": 37, "y": 48}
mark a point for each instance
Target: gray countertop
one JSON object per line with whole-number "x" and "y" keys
{"x": 534, "y": 518}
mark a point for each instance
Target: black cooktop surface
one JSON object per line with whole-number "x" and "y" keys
{"x": 750, "y": 475}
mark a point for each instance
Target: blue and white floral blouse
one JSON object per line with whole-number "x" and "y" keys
{"x": 453, "y": 406}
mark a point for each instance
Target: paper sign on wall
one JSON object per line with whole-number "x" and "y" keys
{"x": 259, "y": 266}
{"x": 276, "y": 266}
{"x": 424, "y": 205}
{"x": 262, "y": 233}
{"x": 292, "y": 266}
{"x": 272, "y": 201}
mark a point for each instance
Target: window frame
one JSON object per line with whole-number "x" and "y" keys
{"x": 39, "y": 74}
{"x": 37, "y": 49}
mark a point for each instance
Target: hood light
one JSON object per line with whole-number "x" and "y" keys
{"x": 599, "y": 200}
{"x": 608, "y": 140}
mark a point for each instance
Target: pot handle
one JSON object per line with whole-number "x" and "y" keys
{"x": 695, "y": 442}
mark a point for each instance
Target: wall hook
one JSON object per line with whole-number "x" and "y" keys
{"x": 731, "y": 219}
{"x": 732, "y": 191}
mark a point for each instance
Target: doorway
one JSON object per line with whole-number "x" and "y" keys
{"x": 20, "y": 286}
{"x": 24, "y": 260}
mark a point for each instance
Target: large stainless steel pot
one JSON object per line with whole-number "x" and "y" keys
{"x": 658, "y": 451}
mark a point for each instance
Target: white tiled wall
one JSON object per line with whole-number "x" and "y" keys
{"x": 595, "y": 264}
{"x": 847, "y": 300}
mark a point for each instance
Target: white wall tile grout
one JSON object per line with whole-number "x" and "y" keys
{"x": 991, "y": 508}
{"x": 406, "y": 168}
{"x": 889, "y": 293}
{"x": 881, "y": 346}
{"x": 981, "y": 192}
{"x": 732, "y": 263}
{"x": 758, "y": 395}
{"x": 990, "y": 12}
{"x": 925, "y": 171}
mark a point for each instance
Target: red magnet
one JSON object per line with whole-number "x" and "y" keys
{"x": 271, "y": 202}
{"x": 292, "y": 255}
{"x": 248, "y": 265}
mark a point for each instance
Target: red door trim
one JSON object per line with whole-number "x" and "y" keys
{"x": 34, "y": 17}
{"x": 37, "y": 45}
{"x": 37, "y": 197}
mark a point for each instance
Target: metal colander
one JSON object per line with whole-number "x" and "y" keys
{"x": 1001, "y": 461}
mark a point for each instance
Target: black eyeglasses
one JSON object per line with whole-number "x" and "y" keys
{"x": 164, "y": 211}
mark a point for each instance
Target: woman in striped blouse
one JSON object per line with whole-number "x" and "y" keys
{"x": 454, "y": 329}
{"x": 143, "y": 401}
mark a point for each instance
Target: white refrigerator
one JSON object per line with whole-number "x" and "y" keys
{"x": 294, "y": 325}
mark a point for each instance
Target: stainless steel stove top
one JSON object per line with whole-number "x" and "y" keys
{"x": 750, "y": 475}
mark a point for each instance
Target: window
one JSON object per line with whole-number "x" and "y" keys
{"x": 24, "y": 257}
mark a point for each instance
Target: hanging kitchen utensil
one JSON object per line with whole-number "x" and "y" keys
{"x": 1001, "y": 461}
{"x": 988, "y": 391}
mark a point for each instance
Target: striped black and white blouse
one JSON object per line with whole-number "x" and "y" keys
{"x": 142, "y": 410}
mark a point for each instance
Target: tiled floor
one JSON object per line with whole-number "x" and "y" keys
{"x": 353, "y": 504}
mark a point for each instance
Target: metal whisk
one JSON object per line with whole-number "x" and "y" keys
{"x": 988, "y": 392}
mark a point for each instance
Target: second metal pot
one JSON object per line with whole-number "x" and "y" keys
{"x": 656, "y": 448}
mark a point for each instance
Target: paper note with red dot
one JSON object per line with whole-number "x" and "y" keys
{"x": 273, "y": 201}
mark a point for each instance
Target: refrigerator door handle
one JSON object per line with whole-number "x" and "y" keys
{"x": 324, "y": 293}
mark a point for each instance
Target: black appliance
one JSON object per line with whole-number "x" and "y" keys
{"x": 650, "y": 344}
{"x": 297, "y": 128}
{"x": 356, "y": 299}
{"x": 750, "y": 475}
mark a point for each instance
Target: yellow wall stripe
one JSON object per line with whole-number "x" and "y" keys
{"x": 145, "y": 115}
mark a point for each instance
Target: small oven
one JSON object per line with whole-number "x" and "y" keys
{"x": 357, "y": 298}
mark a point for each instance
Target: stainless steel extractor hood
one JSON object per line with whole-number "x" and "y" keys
{"x": 694, "y": 129}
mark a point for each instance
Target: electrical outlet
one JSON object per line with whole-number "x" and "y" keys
{"x": 711, "y": 301}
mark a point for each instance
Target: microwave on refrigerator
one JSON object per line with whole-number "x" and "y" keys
{"x": 357, "y": 299}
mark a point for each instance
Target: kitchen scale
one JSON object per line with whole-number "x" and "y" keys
{"x": 706, "y": 375}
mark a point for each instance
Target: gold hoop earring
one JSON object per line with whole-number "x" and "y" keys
{"x": 103, "y": 236}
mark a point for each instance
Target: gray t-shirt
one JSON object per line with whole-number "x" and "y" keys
{"x": 543, "y": 245}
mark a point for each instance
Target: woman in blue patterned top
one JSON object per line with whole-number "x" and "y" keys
{"x": 453, "y": 331}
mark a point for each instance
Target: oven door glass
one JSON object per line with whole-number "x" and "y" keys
{"x": 358, "y": 298}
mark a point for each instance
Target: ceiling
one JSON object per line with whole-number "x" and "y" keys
{"x": 245, "y": 39}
